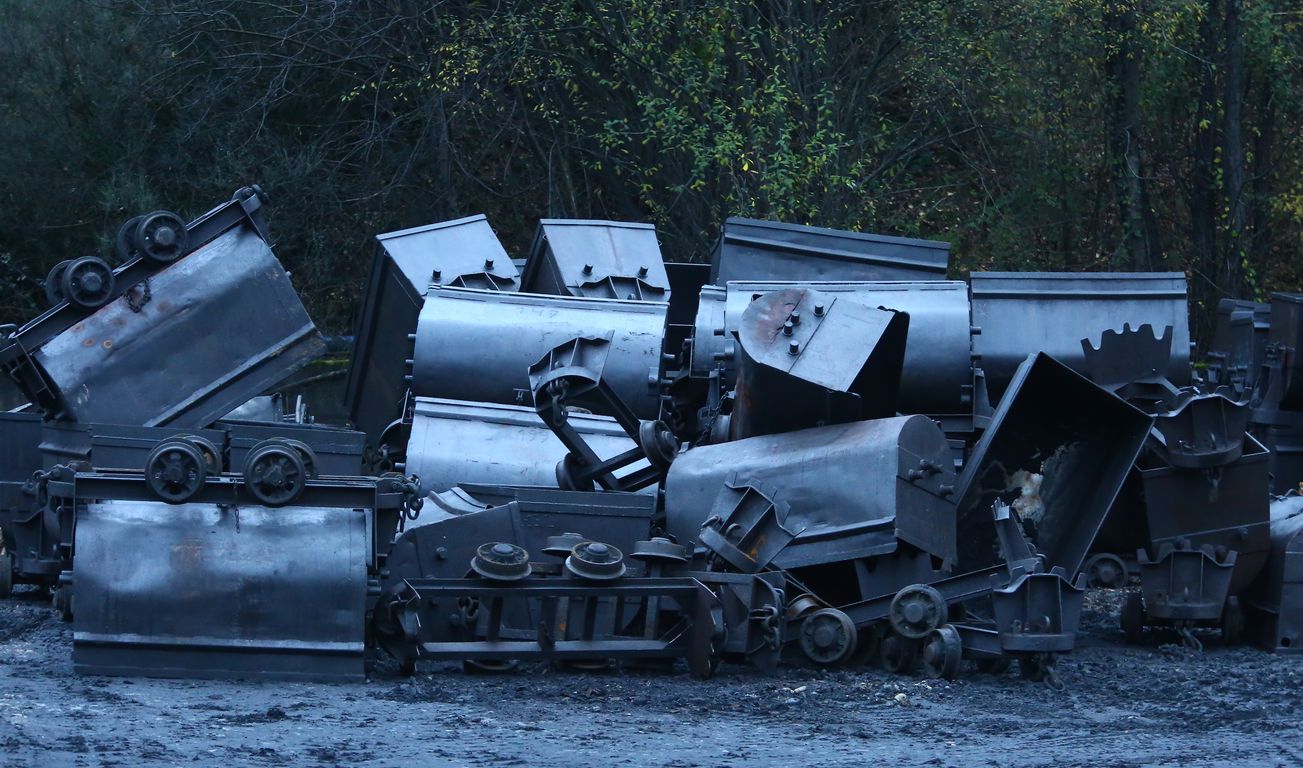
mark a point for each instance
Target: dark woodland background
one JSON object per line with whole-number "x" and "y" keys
{"x": 1031, "y": 134}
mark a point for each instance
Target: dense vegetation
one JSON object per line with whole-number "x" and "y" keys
{"x": 1032, "y": 134}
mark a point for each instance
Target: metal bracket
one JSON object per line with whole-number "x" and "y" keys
{"x": 571, "y": 374}
{"x": 409, "y": 621}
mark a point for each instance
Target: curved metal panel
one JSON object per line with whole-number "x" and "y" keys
{"x": 211, "y": 590}
{"x": 749, "y": 249}
{"x": 478, "y": 346}
{"x": 455, "y": 443}
{"x": 210, "y": 331}
{"x": 937, "y": 376}
{"x": 1022, "y": 313}
{"x": 865, "y": 475}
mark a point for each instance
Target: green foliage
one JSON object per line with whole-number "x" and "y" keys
{"x": 992, "y": 125}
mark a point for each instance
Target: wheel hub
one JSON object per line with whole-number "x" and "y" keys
{"x": 828, "y": 636}
{"x": 501, "y": 561}
{"x": 595, "y": 560}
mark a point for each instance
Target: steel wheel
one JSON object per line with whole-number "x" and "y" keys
{"x": 212, "y": 456}
{"x": 274, "y": 474}
{"x": 161, "y": 237}
{"x": 54, "y": 283}
{"x": 87, "y": 282}
{"x": 866, "y": 646}
{"x": 175, "y": 470}
{"x": 6, "y": 575}
{"x": 897, "y": 654}
{"x": 1105, "y": 571}
{"x": 483, "y": 667}
{"x": 1133, "y": 618}
{"x": 1232, "y": 621}
{"x": 306, "y": 453}
{"x": 124, "y": 243}
{"x": 916, "y": 610}
{"x": 828, "y": 637}
{"x": 943, "y": 653}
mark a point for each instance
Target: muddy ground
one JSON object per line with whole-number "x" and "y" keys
{"x": 1122, "y": 706}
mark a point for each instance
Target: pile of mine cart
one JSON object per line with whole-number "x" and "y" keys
{"x": 811, "y": 447}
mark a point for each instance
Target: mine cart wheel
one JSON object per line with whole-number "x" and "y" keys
{"x": 161, "y": 237}
{"x": 658, "y": 443}
{"x": 54, "y": 283}
{"x": 897, "y": 654}
{"x": 567, "y": 470}
{"x": 828, "y": 636}
{"x": 6, "y": 575}
{"x": 274, "y": 474}
{"x": 993, "y": 666}
{"x": 62, "y": 601}
{"x": 176, "y": 470}
{"x": 1105, "y": 571}
{"x": 585, "y": 665}
{"x": 942, "y": 653}
{"x": 1232, "y": 621}
{"x": 1133, "y": 618}
{"x": 486, "y": 667}
{"x": 253, "y": 190}
{"x": 916, "y": 610}
{"x": 305, "y": 452}
{"x": 212, "y": 456}
{"x": 88, "y": 282}
{"x": 124, "y": 243}
{"x": 866, "y": 646}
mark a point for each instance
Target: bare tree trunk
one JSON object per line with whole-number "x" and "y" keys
{"x": 1264, "y": 168}
{"x": 1236, "y": 250}
{"x": 1139, "y": 247}
{"x": 1203, "y": 181}
{"x": 449, "y": 205}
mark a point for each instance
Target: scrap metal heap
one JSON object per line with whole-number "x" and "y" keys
{"x": 814, "y": 449}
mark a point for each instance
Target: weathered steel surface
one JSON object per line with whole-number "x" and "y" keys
{"x": 808, "y": 358}
{"x": 1021, "y": 313}
{"x": 478, "y": 345}
{"x": 749, "y": 249}
{"x": 221, "y": 325}
{"x": 1277, "y": 599}
{"x": 464, "y": 252}
{"x": 1287, "y": 334}
{"x": 455, "y": 442}
{"x": 204, "y": 590}
{"x": 936, "y": 377}
{"x": 598, "y": 259}
{"x": 1058, "y": 449}
{"x": 853, "y": 490}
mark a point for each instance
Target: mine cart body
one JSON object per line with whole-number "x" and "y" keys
{"x": 463, "y": 252}
{"x": 749, "y": 249}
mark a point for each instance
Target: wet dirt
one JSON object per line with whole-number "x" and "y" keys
{"x": 1158, "y": 704}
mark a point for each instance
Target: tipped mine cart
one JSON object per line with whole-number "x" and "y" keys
{"x": 814, "y": 449}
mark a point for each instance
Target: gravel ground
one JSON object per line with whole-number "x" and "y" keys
{"x": 1122, "y": 706}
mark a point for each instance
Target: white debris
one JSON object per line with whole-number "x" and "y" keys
{"x": 1028, "y": 505}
